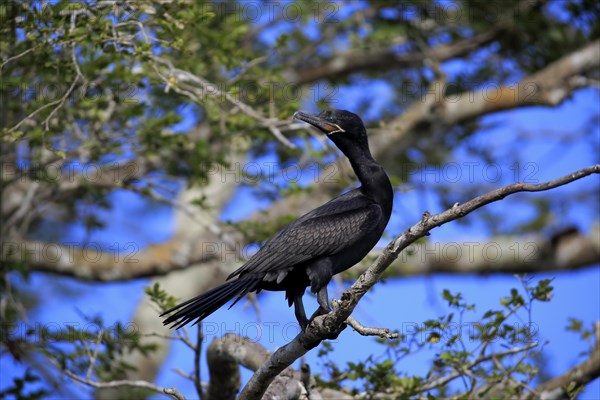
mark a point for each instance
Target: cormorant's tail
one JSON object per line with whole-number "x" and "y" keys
{"x": 207, "y": 303}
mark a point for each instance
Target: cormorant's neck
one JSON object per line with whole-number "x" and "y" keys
{"x": 372, "y": 176}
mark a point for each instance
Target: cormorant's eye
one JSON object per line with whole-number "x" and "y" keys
{"x": 331, "y": 119}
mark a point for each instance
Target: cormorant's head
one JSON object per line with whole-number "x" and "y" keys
{"x": 340, "y": 126}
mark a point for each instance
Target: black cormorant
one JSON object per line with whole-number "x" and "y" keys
{"x": 318, "y": 245}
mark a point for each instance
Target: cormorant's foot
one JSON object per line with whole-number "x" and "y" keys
{"x": 325, "y": 310}
{"x": 320, "y": 311}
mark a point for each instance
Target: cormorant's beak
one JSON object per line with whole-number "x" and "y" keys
{"x": 318, "y": 122}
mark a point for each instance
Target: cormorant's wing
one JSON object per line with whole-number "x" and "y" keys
{"x": 324, "y": 231}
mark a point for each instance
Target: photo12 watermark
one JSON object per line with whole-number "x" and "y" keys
{"x": 70, "y": 252}
{"x": 469, "y": 172}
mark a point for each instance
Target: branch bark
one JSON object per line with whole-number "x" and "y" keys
{"x": 323, "y": 327}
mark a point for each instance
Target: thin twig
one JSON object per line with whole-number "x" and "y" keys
{"x": 185, "y": 338}
{"x": 33, "y": 114}
{"x": 173, "y": 392}
{"x": 385, "y": 333}
{"x": 13, "y": 58}
{"x": 94, "y": 356}
{"x": 249, "y": 65}
{"x": 61, "y": 103}
{"x": 183, "y": 374}
{"x": 508, "y": 374}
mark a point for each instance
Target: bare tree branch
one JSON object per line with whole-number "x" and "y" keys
{"x": 197, "y": 88}
{"x": 330, "y": 394}
{"x": 325, "y": 326}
